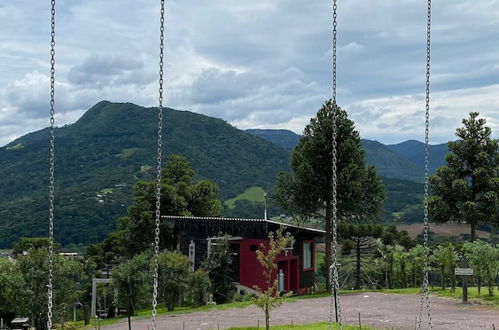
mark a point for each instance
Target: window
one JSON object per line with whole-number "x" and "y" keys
{"x": 253, "y": 247}
{"x": 308, "y": 251}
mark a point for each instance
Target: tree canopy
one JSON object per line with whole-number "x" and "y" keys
{"x": 308, "y": 189}
{"x": 180, "y": 195}
{"x": 467, "y": 188}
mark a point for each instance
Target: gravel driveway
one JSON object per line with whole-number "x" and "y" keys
{"x": 387, "y": 311}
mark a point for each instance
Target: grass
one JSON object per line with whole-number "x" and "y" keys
{"x": 146, "y": 313}
{"x": 483, "y": 299}
{"x": 253, "y": 194}
{"x": 314, "y": 326}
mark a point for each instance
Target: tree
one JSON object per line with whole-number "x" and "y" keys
{"x": 13, "y": 295}
{"x": 445, "y": 258}
{"x": 216, "y": 264}
{"x": 484, "y": 259}
{"x": 130, "y": 279}
{"x": 467, "y": 188}
{"x": 180, "y": 195}
{"x": 360, "y": 191}
{"x": 416, "y": 256}
{"x": 24, "y": 244}
{"x": 68, "y": 281}
{"x": 363, "y": 237}
{"x": 269, "y": 297}
{"x": 174, "y": 277}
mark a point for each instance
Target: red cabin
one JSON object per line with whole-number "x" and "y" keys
{"x": 296, "y": 265}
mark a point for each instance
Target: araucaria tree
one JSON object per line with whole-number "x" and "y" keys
{"x": 360, "y": 190}
{"x": 467, "y": 188}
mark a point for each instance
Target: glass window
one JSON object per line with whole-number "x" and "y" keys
{"x": 307, "y": 255}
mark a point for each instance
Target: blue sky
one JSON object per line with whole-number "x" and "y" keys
{"x": 256, "y": 64}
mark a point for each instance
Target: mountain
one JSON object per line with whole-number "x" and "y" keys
{"x": 282, "y": 137}
{"x": 413, "y": 151}
{"x": 388, "y": 162}
{"x": 102, "y": 155}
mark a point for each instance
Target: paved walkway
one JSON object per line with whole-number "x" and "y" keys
{"x": 386, "y": 311}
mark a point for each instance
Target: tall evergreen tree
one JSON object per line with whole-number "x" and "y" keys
{"x": 467, "y": 188}
{"x": 360, "y": 191}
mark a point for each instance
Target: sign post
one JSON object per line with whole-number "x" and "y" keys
{"x": 465, "y": 272}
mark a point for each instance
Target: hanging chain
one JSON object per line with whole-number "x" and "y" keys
{"x": 335, "y": 307}
{"x": 51, "y": 164}
{"x": 158, "y": 175}
{"x": 425, "y": 296}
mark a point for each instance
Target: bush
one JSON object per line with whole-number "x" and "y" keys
{"x": 216, "y": 265}
{"x": 174, "y": 278}
{"x": 199, "y": 285}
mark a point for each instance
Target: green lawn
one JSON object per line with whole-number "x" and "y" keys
{"x": 315, "y": 326}
{"x": 484, "y": 298}
{"x": 146, "y": 313}
{"x": 254, "y": 194}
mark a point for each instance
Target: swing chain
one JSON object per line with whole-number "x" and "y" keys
{"x": 51, "y": 165}
{"x": 425, "y": 297}
{"x": 335, "y": 301}
{"x": 158, "y": 175}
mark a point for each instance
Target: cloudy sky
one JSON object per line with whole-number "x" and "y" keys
{"x": 256, "y": 64}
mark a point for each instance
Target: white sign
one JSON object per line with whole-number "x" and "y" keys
{"x": 464, "y": 271}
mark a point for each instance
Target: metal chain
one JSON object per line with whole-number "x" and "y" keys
{"x": 51, "y": 165}
{"x": 335, "y": 301}
{"x": 159, "y": 159}
{"x": 425, "y": 296}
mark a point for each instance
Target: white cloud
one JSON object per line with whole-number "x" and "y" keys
{"x": 261, "y": 63}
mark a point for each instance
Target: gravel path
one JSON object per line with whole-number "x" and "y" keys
{"x": 386, "y": 311}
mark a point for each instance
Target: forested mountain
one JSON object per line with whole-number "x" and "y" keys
{"x": 282, "y": 137}
{"x": 413, "y": 151}
{"x": 398, "y": 161}
{"x": 113, "y": 145}
{"x": 102, "y": 155}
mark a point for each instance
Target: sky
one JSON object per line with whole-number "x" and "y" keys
{"x": 255, "y": 64}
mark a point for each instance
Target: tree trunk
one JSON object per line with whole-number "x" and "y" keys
{"x": 473, "y": 232}
{"x": 129, "y": 313}
{"x": 357, "y": 269}
{"x": 267, "y": 319}
{"x": 328, "y": 220}
{"x": 442, "y": 277}
{"x": 387, "y": 285}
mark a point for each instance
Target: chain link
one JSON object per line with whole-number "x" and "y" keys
{"x": 425, "y": 296}
{"x": 335, "y": 306}
{"x": 51, "y": 165}
{"x": 159, "y": 159}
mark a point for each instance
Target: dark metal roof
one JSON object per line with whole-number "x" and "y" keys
{"x": 176, "y": 217}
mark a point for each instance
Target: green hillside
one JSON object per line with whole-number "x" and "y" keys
{"x": 414, "y": 152}
{"x": 282, "y": 137}
{"x": 102, "y": 155}
{"x": 387, "y": 159}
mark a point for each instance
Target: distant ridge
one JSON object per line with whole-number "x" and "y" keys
{"x": 400, "y": 161}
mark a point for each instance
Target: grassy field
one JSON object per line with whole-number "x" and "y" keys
{"x": 315, "y": 326}
{"x": 254, "y": 194}
{"x": 447, "y": 230}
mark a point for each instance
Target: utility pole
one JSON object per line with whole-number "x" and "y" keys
{"x": 265, "y": 210}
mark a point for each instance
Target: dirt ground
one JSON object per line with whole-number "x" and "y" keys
{"x": 385, "y": 311}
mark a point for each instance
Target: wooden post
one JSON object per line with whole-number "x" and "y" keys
{"x": 360, "y": 323}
